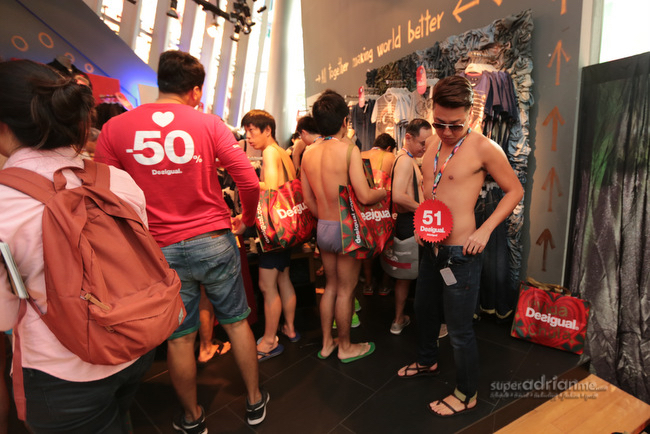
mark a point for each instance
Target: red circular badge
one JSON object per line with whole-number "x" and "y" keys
{"x": 433, "y": 221}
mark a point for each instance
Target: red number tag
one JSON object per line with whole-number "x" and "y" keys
{"x": 421, "y": 79}
{"x": 433, "y": 221}
{"x": 362, "y": 97}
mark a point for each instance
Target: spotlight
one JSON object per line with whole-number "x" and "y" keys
{"x": 212, "y": 30}
{"x": 262, "y": 9}
{"x": 172, "y": 9}
{"x": 235, "y": 36}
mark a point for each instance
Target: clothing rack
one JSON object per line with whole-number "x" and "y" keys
{"x": 432, "y": 73}
{"x": 476, "y": 56}
{"x": 395, "y": 83}
{"x": 370, "y": 90}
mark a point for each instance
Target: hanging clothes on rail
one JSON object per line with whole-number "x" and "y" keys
{"x": 391, "y": 109}
{"x": 422, "y": 105}
{"x": 362, "y": 124}
{"x": 494, "y": 112}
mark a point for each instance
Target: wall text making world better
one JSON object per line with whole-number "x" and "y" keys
{"x": 426, "y": 25}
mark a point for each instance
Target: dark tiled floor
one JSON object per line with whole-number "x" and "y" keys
{"x": 309, "y": 395}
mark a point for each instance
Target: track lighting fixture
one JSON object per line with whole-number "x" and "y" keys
{"x": 212, "y": 30}
{"x": 171, "y": 12}
{"x": 240, "y": 16}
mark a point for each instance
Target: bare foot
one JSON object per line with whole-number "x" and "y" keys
{"x": 327, "y": 350}
{"x": 451, "y": 406}
{"x": 289, "y": 332}
{"x": 416, "y": 370}
{"x": 215, "y": 347}
{"x": 354, "y": 350}
{"x": 266, "y": 347}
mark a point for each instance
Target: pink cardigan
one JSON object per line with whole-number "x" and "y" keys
{"x": 21, "y": 228}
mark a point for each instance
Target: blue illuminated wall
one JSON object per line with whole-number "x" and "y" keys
{"x": 41, "y": 30}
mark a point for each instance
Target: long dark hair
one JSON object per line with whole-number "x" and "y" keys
{"x": 43, "y": 109}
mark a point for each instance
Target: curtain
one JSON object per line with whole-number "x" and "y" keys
{"x": 609, "y": 261}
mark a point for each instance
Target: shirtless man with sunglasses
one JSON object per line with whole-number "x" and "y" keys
{"x": 454, "y": 167}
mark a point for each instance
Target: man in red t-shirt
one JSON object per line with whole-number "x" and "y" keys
{"x": 171, "y": 151}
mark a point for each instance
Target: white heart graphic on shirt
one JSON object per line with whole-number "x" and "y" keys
{"x": 163, "y": 119}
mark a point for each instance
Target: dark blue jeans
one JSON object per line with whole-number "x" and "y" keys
{"x": 434, "y": 300}
{"x": 101, "y": 406}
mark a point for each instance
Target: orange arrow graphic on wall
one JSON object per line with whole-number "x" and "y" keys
{"x": 458, "y": 9}
{"x": 556, "y": 117}
{"x": 551, "y": 180}
{"x": 557, "y": 53}
{"x": 563, "y": 9}
{"x": 545, "y": 239}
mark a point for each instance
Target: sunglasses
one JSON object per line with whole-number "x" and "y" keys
{"x": 454, "y": 128}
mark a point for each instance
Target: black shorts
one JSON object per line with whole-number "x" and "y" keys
{"x": 404, "y": 227}
{"x": 278, "y": 259}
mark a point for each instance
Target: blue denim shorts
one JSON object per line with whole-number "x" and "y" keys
{"x": 215, "y": 264}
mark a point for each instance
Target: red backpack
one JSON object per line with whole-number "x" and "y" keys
{"x": 111, "y": 296}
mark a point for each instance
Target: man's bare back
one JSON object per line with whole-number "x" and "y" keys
{"x": 379, "y": 159}
{"x": 324, "y": 168}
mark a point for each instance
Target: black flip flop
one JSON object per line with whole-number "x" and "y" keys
{"x": 454, "y": 412}
{"x": 420, "y": 371}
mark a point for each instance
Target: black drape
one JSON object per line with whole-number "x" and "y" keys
{"x": 609, "y": 261}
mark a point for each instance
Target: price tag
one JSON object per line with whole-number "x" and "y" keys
{"x": 433, "y": 221}
{"x": 421, "y": 79}
{"x": 362, "y": 97}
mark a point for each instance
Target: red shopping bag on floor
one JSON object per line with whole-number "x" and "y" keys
{"x": 365, "y": 230}
{"x": 549, "y": 315}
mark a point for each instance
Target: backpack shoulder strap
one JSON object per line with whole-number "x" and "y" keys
{"x": 98, "y": 174}
{"x": 28, "y": 182}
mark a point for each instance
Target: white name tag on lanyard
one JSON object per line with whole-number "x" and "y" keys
{"x": 448, "y": 276}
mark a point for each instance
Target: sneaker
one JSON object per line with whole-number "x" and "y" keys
{"x": 255, "y": 413}
{"x": 357, "y": 305}
{"x": 443, "y": 331}
{"x": 193, "y": 427}
{"x": 356, "y": 322}
{"x": 367, "y": 289}
{"x": 396, "y": 329}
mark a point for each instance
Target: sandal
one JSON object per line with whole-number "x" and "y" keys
{"x": 454, "y": 412}
{"x": 262, "y": 356}
{"x": 420, "y": 371}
